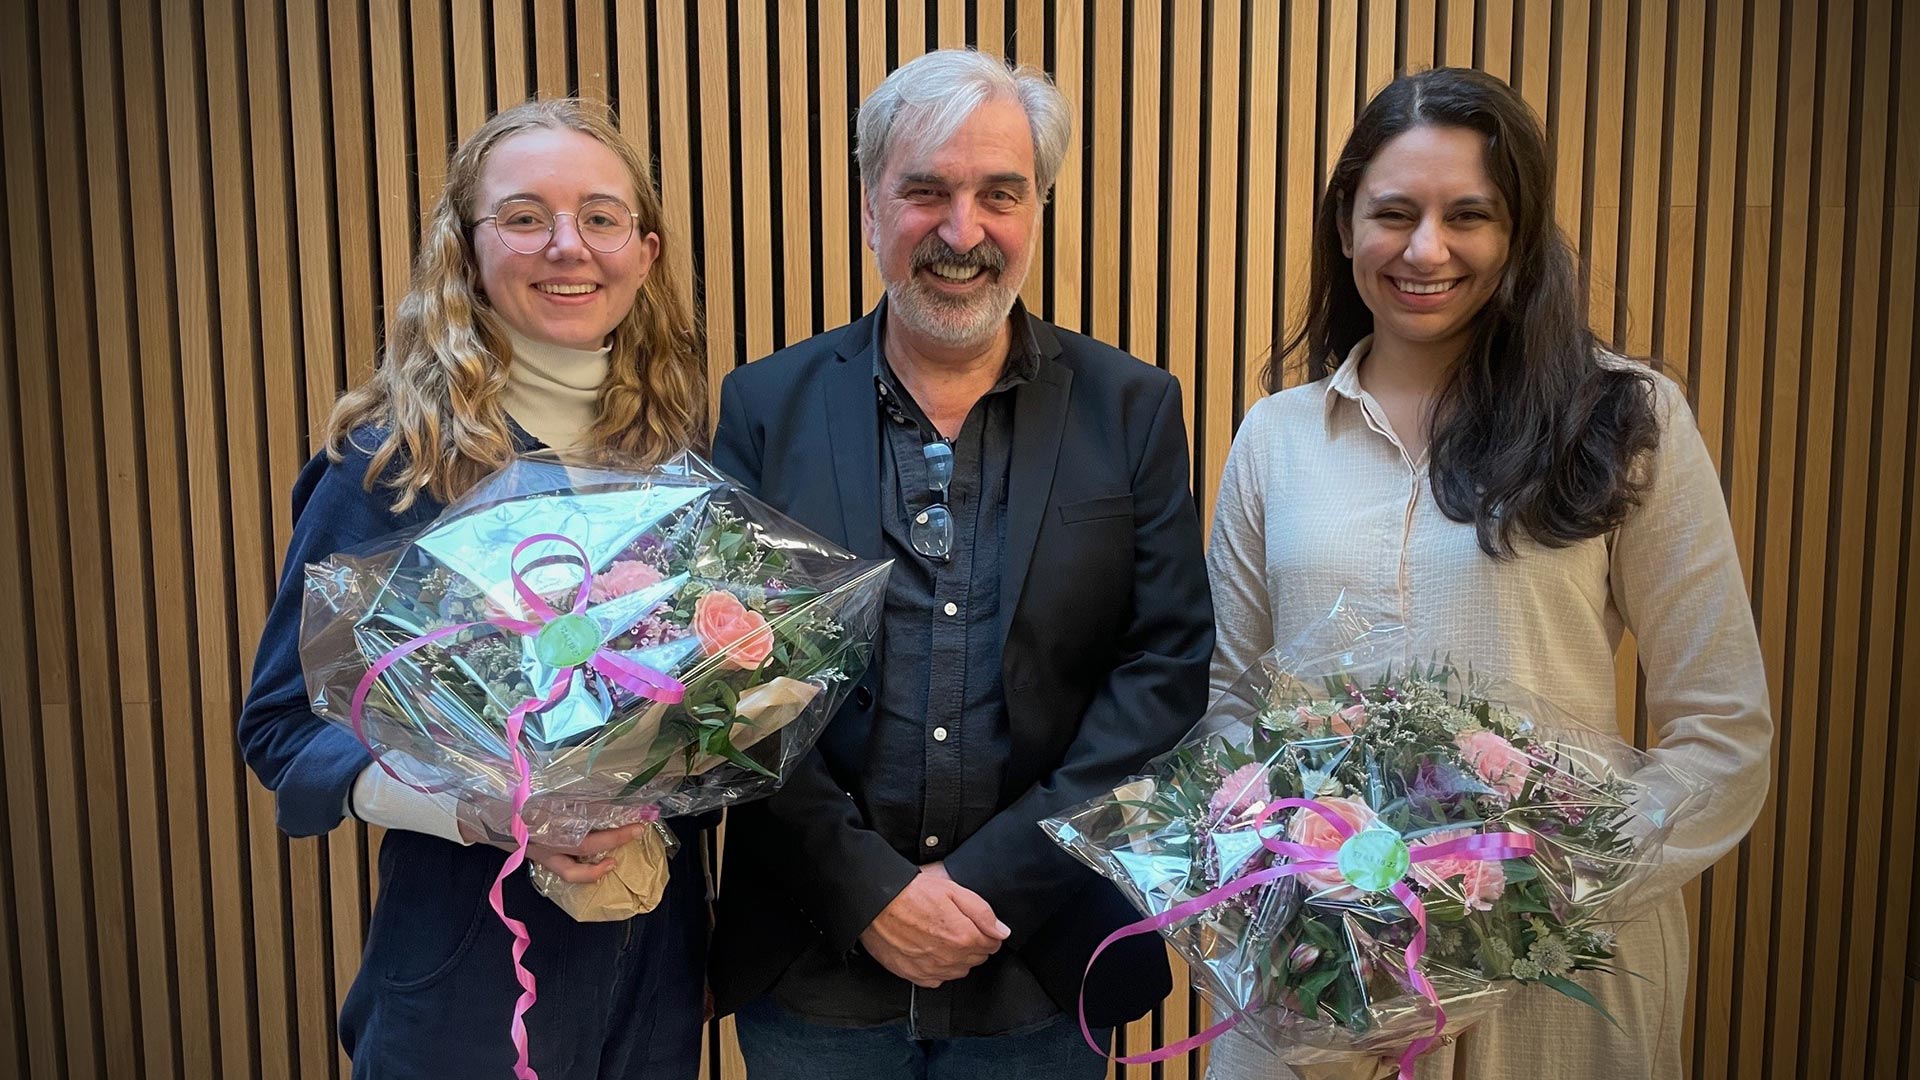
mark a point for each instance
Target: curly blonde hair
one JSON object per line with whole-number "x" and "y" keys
{"x": 436, "y": 394}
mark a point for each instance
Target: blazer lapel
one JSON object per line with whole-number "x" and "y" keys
{"x": 853, "y": 428}
{"x": 1039, "y": 420}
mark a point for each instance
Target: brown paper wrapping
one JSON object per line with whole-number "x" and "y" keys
{"x": 633, "y": 887}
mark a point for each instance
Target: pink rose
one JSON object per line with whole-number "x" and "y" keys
{"x": 725, "y": 625}
{"x": 1503, "y": 766}
{"x": 1481, "y": 881}
{"x": 1312, "y": 830}
{"x": 1243, "y": 788}
{"x": 623, "y": 577}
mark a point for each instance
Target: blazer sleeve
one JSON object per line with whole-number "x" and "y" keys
{"x": 840, "y": 872}
{"x": 1155, "y": 691}
{"x": 309, "y": 764}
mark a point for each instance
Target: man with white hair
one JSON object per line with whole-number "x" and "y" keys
{"x": 894, "y": 911}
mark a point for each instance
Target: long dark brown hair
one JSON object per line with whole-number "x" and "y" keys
{"x": 1532, "y": 432}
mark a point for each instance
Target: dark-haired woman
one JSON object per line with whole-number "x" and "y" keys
{"x": 1467, "y": 458}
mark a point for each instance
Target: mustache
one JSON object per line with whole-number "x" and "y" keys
{"x": 986, "y": 254}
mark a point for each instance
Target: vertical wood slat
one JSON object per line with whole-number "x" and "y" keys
{"x": 204, "y": 328}
{"x": 1107, "y": 58}
{"x": 1030, "y": 50}
{"x": 797, "y": 213}
{"x": 83, "y": 754}
{"x": 252, "y": 579}
{"x": 28, "y": 1011}
{"x": 716, "y": 192}
{"x": 1067, "y": 254}
{"x": 757, "y": 196}
{"x": 1215, "y": 382}
{"x": 1179, "y": 292}
{"x": 1897, "y": 976}
{"x": 66, "y": 1041}
{"x": 278, "y": 210}
{"x": 1750, "y": 357}
{"x": 299, "y": 146}
{"x": 124, "y": 521}
{"x": 1828, "y": 444}
{"x": 1782, "y": 615}
{"x": 160, "y": 341}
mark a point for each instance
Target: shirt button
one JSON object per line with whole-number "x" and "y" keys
{"x": 933, "y": 841}
{"x": 951, "y": 608}
{"x": 939, "y": 734}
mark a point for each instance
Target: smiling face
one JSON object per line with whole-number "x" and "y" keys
{"x": 1428, "y": 235}
{"x": 952, "y": 226}
{"x": 569, "y": 294}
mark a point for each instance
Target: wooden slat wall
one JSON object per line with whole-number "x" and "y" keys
{"x": 211, "y": 206}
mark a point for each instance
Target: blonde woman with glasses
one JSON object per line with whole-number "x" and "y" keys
{"x": 544, "y": 312}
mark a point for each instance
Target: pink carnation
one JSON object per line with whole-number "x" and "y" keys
{"x": 1480, "y": 881}
{"x": 1242, "y": 788}
{"x": 1500, "y": 764}
{"x": 623, "y": 577}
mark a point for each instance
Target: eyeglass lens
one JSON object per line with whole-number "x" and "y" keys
{"x": 932, "y": 530}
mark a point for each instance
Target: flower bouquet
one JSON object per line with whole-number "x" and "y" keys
{"x": 569, "y": 648}
{"x": 1359, "y": 852}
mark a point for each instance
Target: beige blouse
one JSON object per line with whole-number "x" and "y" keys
{"x": 1320, "y": 498}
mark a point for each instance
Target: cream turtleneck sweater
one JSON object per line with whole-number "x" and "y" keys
{"x": 554, "y": 393}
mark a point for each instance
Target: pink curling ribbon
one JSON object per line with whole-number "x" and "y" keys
{"x": 635, "y": 678}
{"x": 1302, "y": 858}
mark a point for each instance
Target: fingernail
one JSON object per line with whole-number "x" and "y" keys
{"x": 1003, "y": 929}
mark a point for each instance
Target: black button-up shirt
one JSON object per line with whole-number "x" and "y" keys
{"x": 939, "y": 747}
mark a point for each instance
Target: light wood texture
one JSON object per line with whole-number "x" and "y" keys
{"x": 212, "y": 212}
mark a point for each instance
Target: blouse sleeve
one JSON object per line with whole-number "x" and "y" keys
{"x": 1236, "y": 556}
{"x": 1676, "y": 581}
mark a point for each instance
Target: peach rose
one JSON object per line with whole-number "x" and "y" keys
{"x": 1481, "y": 881}
{"x": 1348, "y": 720}
{"x": 1503, "y": 766}
{"x": 725, "y": 625}
{"x": 1309, "y": 828}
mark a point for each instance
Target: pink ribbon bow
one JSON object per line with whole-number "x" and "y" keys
{"x": 1302, "y": 858}
{"x": 635, "y": 678}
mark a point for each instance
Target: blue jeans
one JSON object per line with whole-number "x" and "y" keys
{"x": 435, "y": 993}
{"x": 779, "y": 1045}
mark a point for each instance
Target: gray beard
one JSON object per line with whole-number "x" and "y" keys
{"x": 940, "y": 320}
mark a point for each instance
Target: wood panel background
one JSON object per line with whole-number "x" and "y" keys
{"x": 210, "y": 206}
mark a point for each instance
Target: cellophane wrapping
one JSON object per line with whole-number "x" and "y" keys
{"x": 763, "y": 623}
{"x": 1405, "y": 742}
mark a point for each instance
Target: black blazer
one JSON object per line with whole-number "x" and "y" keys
{"x": 1109, "y": 629}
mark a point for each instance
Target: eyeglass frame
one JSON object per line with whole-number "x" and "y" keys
{"x": 938, "y": 448}
{"x": 553, "y": 229}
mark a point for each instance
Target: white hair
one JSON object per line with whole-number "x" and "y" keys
{"x": 927, "y": 99}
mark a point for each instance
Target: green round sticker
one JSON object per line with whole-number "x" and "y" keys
{"x": 1372, "y": 860}
{"x": 567, "y": 641}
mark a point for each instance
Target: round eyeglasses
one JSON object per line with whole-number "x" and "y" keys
{"x": 526, "y": 226}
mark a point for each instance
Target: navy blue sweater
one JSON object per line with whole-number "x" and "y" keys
{"x": 310, "y": 764}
